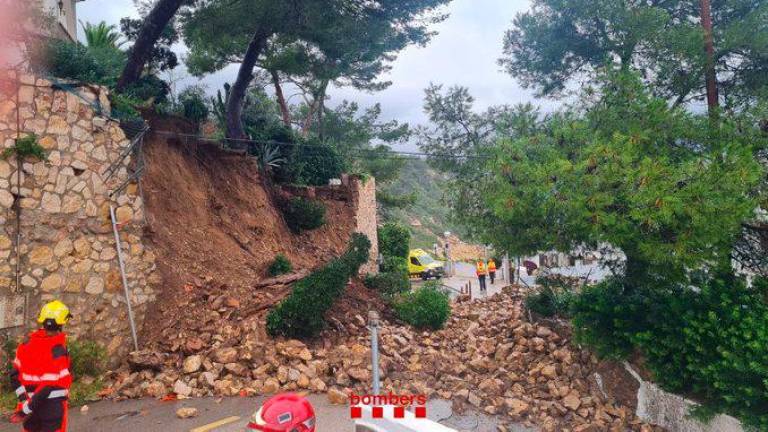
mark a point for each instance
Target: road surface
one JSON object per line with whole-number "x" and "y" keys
{"x": 232, "y": 415}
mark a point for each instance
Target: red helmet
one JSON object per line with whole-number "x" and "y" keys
{"x": 287, "y": 412}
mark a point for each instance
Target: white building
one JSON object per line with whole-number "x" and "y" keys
{"x": 65, "y": 14}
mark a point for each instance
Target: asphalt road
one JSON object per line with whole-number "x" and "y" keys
{"x": 232, "y": 415}
{"x": 150, "y": 415}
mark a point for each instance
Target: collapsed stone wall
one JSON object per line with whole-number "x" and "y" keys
{"x": 67, "y": 248}
{"x": 361, "y": 195}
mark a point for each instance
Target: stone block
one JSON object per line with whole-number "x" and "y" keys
{"x": 57, "y": 125}
{"x": 6, "y": 199}
{"x": 72, "y": 204}
{"x": 82, "y": 247}
{"x": 83, "y": 266}
{"x": 47, "y": 142}
{"x": 52, "y": 283}
{"x": 40, "y": 256}
{"x": 95, "y": 286}
{"x": 28, "y": 281}
{"x": 51, "y": 203}
{"x": 63, "y": 247}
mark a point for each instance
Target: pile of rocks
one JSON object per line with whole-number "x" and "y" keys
{"x": 487, "y": 357}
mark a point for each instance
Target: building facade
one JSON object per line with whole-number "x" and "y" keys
{"x": 65, "y": 14}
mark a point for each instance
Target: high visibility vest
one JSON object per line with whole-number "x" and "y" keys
{"x": 481, "y": 268}
{"x": 41, "y": 369}
{"x": 491, "y": 266}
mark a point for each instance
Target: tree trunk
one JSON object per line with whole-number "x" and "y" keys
{"x": 316, "y": 103}
{"x": 281, "y": 99}
{"x": 711, "y": 75}
{"x": 244, "y": 78}
{"x": 150, "y": 31}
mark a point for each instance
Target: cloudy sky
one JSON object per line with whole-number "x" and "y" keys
{"x": 463, "y": 53}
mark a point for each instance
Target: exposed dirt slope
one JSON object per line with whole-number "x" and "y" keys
{"x": 211, "y": 221}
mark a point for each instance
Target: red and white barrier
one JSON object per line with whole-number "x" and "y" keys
{"x": 391, "y": 418}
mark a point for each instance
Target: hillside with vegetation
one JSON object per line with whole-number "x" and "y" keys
{"x": 428, "y": 216}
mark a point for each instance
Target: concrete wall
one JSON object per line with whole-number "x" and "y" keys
{"x": 671, "y": 411}
{"x": 620, "y": 382}
{"x": 67, "y": 247}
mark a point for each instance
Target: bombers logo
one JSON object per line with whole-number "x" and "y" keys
{"x": 391, "y": 401}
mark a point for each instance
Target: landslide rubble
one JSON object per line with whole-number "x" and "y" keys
{"x": 487, "y": 357}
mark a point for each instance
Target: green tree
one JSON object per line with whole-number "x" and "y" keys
{"x": 101, "y": 35}
{"x": 460, "y": 141}
{"x": 364, "y": 140}
{"x": 328, "y": 27}
{"x": 666, "y": 187}
{"x": 557, "y": 41}
{"x": 152, "y": 28}
{"x": 161, "y": 56}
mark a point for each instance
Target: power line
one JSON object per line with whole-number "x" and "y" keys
{"x": 393, "y": 154}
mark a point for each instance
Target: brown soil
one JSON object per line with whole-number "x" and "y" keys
{"x": 618, "y": 384}
{"x": 213, "y": 224}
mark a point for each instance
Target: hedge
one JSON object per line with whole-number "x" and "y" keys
{"x": 302, "y": 214}
{"x": 706, "y": 338}
{"x": 425, "y": 308}
{"x": 394, "y": 240}
{"x": 302, "y": 314}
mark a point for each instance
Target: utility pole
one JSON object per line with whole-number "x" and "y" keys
{"x": 711, "y": 76}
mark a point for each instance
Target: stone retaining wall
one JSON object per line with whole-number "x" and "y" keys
{"x": 67, "y": 247}
{"x": 364, "y": 192}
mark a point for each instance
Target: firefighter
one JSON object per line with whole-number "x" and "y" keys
{"x": 481, "y": 273}
{"x": 492, "y": 270}
{"x": 41, "y": 373}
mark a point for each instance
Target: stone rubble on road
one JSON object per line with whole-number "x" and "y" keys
{"x": 488, "y": 358}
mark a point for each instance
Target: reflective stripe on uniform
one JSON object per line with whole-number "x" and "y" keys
{"x": 20, "y": 391}
{"x": 45, "y": 377}
{"x": 25, "y": 408}
{"x": 58, "y": 393}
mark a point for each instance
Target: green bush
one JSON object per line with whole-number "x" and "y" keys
{"x": 124, "y": 107}
{"x": 302, "y": 314}
{"x": 394, "y": 240}
{"x": 192, "y": 104}
{"x": 426, "y": 307}
{"x": 606, "y": 316}
{"x": 87, "y": 358}
{"x": 707, "y": 338}
{"x": 712, "y": 343}
{"x": 9, "y": 352}
{"x": 25, "y": 147}
{"x": 281, "y": 265}
{"x": 393, "y": 264}
{"x": 302, "y": 214}
{"x": 549, "y": 301}
{"x": 149, "y": 87}
{"x": 388, "y": 283}
{"x": 76, "y": 62}
{"x": 311, "y": 163}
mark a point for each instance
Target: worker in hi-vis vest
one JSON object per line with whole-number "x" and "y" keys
{"x": 492, "y": 270}
{"x": 41, "y": 373}
{"x": 481, "y": 273}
